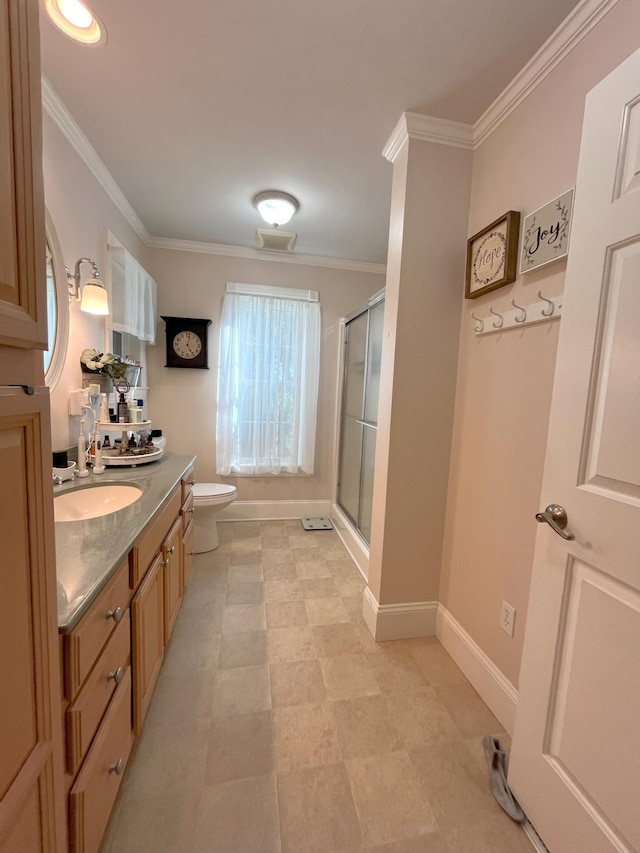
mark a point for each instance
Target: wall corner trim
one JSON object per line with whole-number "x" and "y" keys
{"x": 399, "y": 621}
{"x": 494, "y": 688}
{"x": 427, "y": 129}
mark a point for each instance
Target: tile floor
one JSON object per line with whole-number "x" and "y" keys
{"x": 278, "y": 724}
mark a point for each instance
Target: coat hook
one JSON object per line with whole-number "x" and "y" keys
{"x": 521, "y": 317}
{"x": 496, "y": 324}
{"x": 479, "y": 322}
{"x": 552, "y": 307}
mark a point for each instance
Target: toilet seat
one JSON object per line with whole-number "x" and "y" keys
{"x": 210, "y": 494}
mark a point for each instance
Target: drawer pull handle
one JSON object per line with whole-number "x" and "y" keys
{"x": 116, "y": 676}
{"x": 117, "y": 767}
{"x": 171, "y": 550}
{"x": 192, "y": 482}
{"x": 191, "y": 510}
{"x": 116, "y": 614}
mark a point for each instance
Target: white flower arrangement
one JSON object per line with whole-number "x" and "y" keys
{"x": 92, "y": 361}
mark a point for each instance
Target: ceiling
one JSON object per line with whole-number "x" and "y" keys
{"x": 194, "y": 107}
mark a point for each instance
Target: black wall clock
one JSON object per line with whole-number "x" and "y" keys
{"x": 186, "y": 342}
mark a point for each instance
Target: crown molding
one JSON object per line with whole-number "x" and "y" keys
{"x": 264, "y": 255}
{"x": 55, "y": 107}
{"x": 427, "y": 129}
{"x": 571, "y": 31}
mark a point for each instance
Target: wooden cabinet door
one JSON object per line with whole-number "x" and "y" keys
{"x": 187, "y": 553}
{"x": 23, "y": 310}
{"x": 173, "y": 579}
{"x": 31, "y": 816}
{"x": 147, "y": 621}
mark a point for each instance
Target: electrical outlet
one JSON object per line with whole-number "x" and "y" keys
{"x": 507, "y": 618}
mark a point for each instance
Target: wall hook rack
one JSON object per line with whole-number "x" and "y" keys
{"x": 522, "y": 315}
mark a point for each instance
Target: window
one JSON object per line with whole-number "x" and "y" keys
{"x": 267, "y": 381}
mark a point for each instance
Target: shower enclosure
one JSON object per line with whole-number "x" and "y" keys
{"x": 359, "y": 413}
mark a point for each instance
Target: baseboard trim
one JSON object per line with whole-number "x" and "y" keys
{"x": 399, "y": 621}
{"x": 356, "y": 547}
{"x": 496, "y": 690}
{"x": 273, "y": 510}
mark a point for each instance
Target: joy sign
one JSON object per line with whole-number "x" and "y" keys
{"x": 545, "y": 235}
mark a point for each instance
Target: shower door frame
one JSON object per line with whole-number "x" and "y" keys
{"x": 354, "y": 523}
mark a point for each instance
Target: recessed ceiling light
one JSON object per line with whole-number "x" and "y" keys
{"x": 76, "y": 21}
{"x": 276, "y": 207}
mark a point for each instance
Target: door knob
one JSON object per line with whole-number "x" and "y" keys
{"x": 556, "y": 517}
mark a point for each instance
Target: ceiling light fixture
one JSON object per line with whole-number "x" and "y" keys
{"x": 275, "y": 207}
{"x": 76, "y": 21}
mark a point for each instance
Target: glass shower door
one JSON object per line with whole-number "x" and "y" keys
{"x": 363, "y": 346}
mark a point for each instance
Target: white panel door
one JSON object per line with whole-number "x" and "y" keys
{"x": 575, "y": 763}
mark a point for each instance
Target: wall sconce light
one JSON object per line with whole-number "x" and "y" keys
{"x": 93, "y": 294}
{"x": 275, "y": 207}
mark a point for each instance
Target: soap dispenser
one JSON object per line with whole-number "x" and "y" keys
{"x": 123, "y": 409}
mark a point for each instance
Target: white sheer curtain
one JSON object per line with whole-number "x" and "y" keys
{"x": 267, "y": 384}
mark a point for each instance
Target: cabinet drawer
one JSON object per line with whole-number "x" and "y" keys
{"x": 84, "y": 714}
{"x": 82, "y": 646}
{"x": 95, "y": 789}
{"x": 150, "y": 542}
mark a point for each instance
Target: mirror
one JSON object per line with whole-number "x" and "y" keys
{"x": 57, "y": 307}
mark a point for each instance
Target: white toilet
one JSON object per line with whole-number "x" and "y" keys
{"x": 209, "y": 499}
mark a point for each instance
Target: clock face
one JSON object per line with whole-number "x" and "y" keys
{"x": 187, "y": 345}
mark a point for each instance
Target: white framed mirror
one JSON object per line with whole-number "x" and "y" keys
{"x": 57, "y": 307}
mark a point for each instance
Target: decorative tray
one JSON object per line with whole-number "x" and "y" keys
{"x": 114, "y": 457}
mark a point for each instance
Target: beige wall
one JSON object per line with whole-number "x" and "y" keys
{"x": 504, "y": 380}
{"x": 182, "y": 402}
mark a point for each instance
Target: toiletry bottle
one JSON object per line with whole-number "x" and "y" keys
{"x": 140, "y": 411}
{"x": 123, "y": 410}
{"x": 104, "y": 409}
{"x": 106, "y": 444}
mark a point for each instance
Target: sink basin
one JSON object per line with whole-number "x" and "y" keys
{"x": 94, "y": 501}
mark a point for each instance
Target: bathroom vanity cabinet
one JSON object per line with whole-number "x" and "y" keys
{"x": 112, "y": 657}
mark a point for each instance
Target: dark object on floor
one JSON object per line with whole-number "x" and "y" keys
{"x": 317, "y": 523}
{"x": 498, "y": 779}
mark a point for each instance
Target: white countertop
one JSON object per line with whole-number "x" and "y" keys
{"x": 88, "y": 552}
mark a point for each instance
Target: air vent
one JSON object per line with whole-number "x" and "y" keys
{"x": 275, "y": 240}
